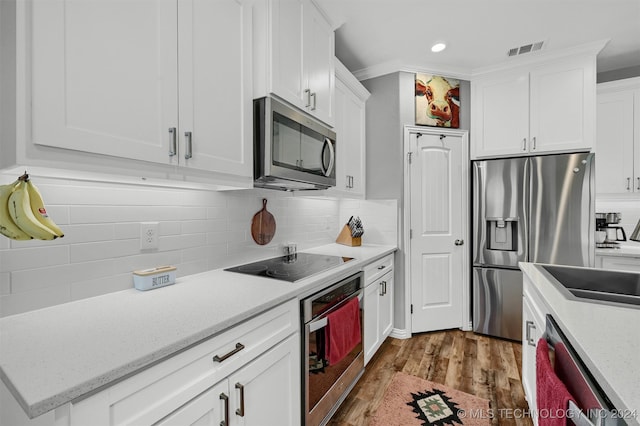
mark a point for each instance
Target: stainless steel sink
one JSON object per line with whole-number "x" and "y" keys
{"x": 611, "y": 287}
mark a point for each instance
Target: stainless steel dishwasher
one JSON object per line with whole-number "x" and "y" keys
{"x": 592, "y": 406}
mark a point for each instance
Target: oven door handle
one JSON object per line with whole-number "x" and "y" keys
{"x": 322, "y": 321}
{"x": 318, "y": 324}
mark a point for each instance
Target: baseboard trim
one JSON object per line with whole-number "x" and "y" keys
{"x": 400, "y": 333}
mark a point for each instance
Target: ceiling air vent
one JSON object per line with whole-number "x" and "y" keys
{"x": 525, "y": 48}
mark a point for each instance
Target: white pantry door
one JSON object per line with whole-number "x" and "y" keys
{"x": 438, "y": 215}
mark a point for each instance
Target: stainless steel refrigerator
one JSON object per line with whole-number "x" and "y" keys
{"x": 531, "y": 209}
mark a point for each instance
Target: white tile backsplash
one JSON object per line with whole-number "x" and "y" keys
{"x": 198, "y": 230}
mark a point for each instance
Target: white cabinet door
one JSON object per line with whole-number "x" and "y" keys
{"x": 385, "y": 321}
{"x": 614, "y": 162}
{"x": 562, "y": 108}
{"x": 287, "y": 73}
{"x": 500, "y": 115}
{"x": 372, "y": 339}
{"x": 104, "y": 76}
{"x": 318, "y": 61}
{"x": 267, "y": 392}
{"x": 378, "y": 314}
{"x": 215, "y": 85}
{"x": 207, "y": 409}
{"x": 350, "y": 130}
{"x": 618, "y": 137}
{"x": 530, "y": 335}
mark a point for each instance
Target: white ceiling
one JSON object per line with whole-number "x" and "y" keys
{"x": 374, "y": 37}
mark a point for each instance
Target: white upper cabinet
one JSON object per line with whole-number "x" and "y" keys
{"x": 350, "y": 113}
{"x": 105, "y": 76}
{"x": 293, "y": 56}
{"x": 162, "y": 81}
{"x": 541, "y": 109}
{"x": 618, "y": 138}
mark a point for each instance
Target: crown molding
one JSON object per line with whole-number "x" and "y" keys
{"x": 542, "y": 56}
{"x": 534, "y": 58}
{"x": 349, "y": 80}
{"x": 397, "y": 66}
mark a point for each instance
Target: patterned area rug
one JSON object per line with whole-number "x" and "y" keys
{"x": 410, "y": 400}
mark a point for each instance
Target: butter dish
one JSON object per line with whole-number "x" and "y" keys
{"x": 147, "y": 279}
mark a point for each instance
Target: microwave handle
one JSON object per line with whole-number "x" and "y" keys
{"x": 332, "y": 157}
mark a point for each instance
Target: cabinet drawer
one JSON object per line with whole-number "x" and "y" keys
{"x": 376, "y": 269}
{"x": 153, "y": 393}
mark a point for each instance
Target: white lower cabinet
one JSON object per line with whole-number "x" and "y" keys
{"x": 621, "y": 263}
{"x": 534, "y": 313}
{"x": 265, "y": 392}
{"x": 378, "y": 305}
{"x": 248, "y": 375}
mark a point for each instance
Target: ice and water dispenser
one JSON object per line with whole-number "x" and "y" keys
{"x": 502, "y": 234}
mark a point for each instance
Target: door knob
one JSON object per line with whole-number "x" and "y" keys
{"x": 459, "y": 242}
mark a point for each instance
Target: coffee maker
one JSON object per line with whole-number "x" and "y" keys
{"x": 607, "y": 222}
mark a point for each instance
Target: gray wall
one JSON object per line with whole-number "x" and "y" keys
{"x": 391, "y": 107}
{"x": 7, "y": 82}
{"x": 618, "y": 74}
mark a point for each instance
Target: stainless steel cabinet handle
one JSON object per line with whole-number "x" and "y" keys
{"x": 313, "y": 106}
{"x": 240, "y": 411}
{"x": 385, "y": 287}
{"x": 225, "y": 398}
{"x": 308, "y": 93}
{"x": 530, "y": 325}
{"x": 239, "y": 347}
{"x": 188, "y": 150}
{"x": 628, "y": 184}
{"x": 459, "y": 242}
{"x": 382, "y": 283}
{"x": 534, "y": 143}
{"x": 172, "y": 142}
{"x": 524, "y": 144}
{"x": 638, "y": 188}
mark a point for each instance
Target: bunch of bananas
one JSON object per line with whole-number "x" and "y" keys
{"x": 22, "y": 212}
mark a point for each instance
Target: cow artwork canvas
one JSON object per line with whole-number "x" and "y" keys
{"x": 437, "y": 101}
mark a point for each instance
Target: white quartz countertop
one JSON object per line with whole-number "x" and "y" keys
{"x": 606, "y": 337}
{"x": 52, "y": 356}
{"x": 627, "y": 249}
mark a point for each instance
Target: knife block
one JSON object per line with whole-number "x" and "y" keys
{"x": 345, "y": 238}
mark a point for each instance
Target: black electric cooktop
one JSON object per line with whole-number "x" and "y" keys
{"x": 291, "y": 267}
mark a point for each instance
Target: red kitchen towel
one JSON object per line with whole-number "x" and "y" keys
{"x": 344, "y": 331}
{"x": 552, "y": 395}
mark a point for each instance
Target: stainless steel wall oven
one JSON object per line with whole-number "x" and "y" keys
{"x": 326, "y": 386}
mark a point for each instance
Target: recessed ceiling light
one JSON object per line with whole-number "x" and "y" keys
{"x": 438, "y": 47}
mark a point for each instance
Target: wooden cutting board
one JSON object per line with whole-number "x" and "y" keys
{"x": 263, "y": 225}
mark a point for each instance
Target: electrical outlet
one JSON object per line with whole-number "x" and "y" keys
{"x": 148, "y": 235}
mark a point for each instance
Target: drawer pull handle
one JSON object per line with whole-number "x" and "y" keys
{"x": 239, "y": 347}
{"x": 240, "y": 411}
{"x": 381, "y": 267}
{"x": 225, "y": 398}
{"x": 528, "y": 336}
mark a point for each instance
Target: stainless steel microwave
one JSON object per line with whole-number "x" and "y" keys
{"x": 292, "y": 151}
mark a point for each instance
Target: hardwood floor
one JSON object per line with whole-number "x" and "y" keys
{"x": 480, "y": 365}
